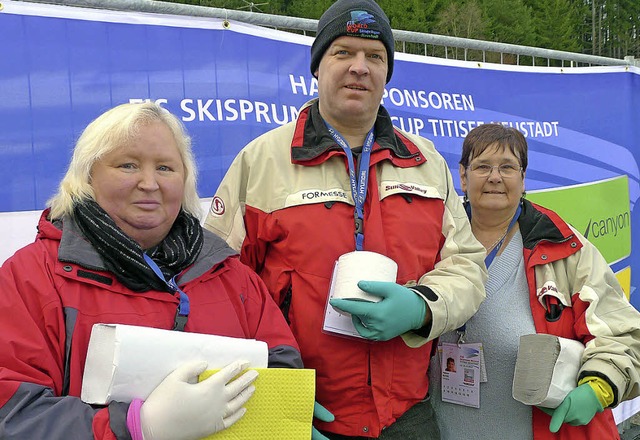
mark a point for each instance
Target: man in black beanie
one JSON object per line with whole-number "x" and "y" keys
{"x": 339, "y": 180}
{"x": 338, "y": 21}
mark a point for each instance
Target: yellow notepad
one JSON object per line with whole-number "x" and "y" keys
{"x": 280, "y": 408}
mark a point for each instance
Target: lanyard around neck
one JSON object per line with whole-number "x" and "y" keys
{"x": 492, "y": 254}
{"x": 359, "y": 178}
{"x": 488, "y": 260}
{"x": 182, "y": 313}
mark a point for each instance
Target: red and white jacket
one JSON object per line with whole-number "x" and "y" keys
{"x": 286, "y": 204}
{"x": 574, "y": 294}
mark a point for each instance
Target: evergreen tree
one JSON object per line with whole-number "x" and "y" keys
{"x": 510, "y": 21}
{"x": 464, "y": 20}
{"x": 412, "y": 15}
{"x": 308, "y": 8}
{"x": 599, "y": 27}
{"x": 556, "y": 25}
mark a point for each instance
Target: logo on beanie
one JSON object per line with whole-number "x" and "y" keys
{"x": 359, "y": 24}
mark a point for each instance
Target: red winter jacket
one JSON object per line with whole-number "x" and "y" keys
{"x": 286, "y": 203}
{"x": 53, "y": 291}
{"x": 574, "y": 294}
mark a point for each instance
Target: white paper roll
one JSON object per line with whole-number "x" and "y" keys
{"x": 361, "y": 265}
{"x": 546, "y": 369}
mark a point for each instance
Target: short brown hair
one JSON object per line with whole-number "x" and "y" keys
{"x": 498, "y": 136}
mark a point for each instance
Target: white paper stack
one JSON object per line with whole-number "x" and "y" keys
{"x": 126, "y": 362}
{"x": 546, "y": 370}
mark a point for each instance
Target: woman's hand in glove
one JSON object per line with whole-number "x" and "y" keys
{"x": 180, "y": 408}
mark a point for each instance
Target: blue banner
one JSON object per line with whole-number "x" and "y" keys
{"x": 61, "y": 67}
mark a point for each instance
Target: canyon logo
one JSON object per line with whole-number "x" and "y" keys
{"x": 607, "y": 226}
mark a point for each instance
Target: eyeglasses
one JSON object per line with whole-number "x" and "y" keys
{"x": 505, "y": 170}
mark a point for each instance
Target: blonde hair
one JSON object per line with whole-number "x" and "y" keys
{"x": 117, "y": 127}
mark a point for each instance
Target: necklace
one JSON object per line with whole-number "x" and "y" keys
{"x": 498, "y": 240}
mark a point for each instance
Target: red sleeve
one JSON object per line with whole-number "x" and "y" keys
{"x": 32, "y": 356}
{"x": 262, "y": 229}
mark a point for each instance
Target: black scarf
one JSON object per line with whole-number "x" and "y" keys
{"x": 123, "y": 256}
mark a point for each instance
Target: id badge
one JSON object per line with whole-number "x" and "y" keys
{"x": 462, "y": 368}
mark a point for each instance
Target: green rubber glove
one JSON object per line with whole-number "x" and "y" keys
{"x": 320, "y": 413}
{"x": 578, "y": 408}
{"x": 400, "y": 310}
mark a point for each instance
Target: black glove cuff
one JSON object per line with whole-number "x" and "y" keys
{"x": 429, "y": 295}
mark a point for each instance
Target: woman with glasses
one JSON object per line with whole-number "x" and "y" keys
{"x": 544, "y": 277}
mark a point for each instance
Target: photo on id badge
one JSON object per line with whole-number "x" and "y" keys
{"x": 449, "y": 360}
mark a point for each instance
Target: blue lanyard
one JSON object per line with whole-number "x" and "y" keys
{"x": 488, "y": 260}
{"x": 182, "y": 313}
{"x": 359, "y": 179}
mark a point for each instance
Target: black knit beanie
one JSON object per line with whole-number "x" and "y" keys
{"x": 353, "y": 18}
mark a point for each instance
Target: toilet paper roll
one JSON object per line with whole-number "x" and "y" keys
{"x": 546, "y": 370}
{"x": 361, "y": 265}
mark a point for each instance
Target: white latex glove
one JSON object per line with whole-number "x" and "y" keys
{"x": 180, "y": 408}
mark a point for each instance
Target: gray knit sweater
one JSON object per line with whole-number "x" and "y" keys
{"x": 503, "y": 317}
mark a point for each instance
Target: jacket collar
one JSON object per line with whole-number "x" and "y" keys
{"x": 538, "y": 223}
{"x": 74, "y": 248}
{"x": 312, "y": 143}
